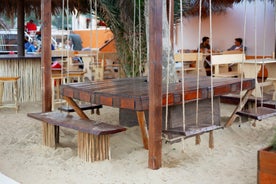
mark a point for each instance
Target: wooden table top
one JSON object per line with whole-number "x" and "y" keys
{"x": 132, "y": 93}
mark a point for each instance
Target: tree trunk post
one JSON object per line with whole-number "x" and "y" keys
{"x": 46, "y": 55}
{"x": 155, "y": 84}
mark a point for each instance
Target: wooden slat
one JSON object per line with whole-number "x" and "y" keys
{"x": 5, "y": 79}
{"x": 76, "y": 123}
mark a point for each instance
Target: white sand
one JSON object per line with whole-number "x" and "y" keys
{"x": 232, "y": 161}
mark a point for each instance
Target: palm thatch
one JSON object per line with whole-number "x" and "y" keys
{"x": 119, "y": 16}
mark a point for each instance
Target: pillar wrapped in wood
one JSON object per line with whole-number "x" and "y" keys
{"x": 93, "y": 147}
{"x": 50, "y": 134}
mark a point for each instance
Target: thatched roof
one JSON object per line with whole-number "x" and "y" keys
{"x": 191, "y": 7}
{"x": 9, "y": 7}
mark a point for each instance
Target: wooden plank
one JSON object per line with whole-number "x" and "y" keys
{"x": 75, "y": 106}
{"x": 76, "y": 123}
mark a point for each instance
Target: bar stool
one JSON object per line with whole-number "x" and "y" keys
{"x": 72, "y": 76}
{"x": 4, "y": 80}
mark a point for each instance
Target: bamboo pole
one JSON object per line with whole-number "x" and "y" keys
{"x": 93, "y": 148}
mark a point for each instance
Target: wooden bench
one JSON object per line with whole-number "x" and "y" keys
{"x": 93, "y": 136}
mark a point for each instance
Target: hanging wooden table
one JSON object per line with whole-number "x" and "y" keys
{"x": 132, "y": 94}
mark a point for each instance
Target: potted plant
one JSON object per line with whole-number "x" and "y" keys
{"x": 267, "y": 163}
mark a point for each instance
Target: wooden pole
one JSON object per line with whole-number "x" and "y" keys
{"x": 46, "y": 55}
{"x": 155, "y": 84}
{"x": 20, "y": 26}
{"x": 171, "y": 11}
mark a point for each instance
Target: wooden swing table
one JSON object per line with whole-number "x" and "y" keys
{"x": 132, "y": 94}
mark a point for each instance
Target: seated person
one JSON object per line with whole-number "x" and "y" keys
{"x": 26, "y": 43}
{"x": 204, "y": 45}
{"x": 238, "y": 45}
{"x": 33, "y": 47}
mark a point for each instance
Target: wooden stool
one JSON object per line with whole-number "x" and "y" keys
{"x": 72, "y": 76}
{"x": 15, "y": 92}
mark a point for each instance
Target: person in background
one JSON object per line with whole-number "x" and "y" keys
{"x": 237, "y": 46}
{"x": 31, "y": 26}
{"x": 75, "y": 43}
{"x": 26, "y": 43}
{"x": 205, "y": 48}
{"x": 204, "y": 45}
{"x": 33, "y": 47}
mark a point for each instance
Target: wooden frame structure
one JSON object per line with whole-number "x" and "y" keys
{"x": 155, "y": 75}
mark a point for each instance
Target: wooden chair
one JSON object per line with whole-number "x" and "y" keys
{"x": 192, "y": 63}
{"x": 221, "y": 64}
{"x": 14, "y": 91}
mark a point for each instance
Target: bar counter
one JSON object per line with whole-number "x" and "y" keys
{"x": 29, "y": 69}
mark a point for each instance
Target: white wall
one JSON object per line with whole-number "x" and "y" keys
{"x": 230, "y": 25}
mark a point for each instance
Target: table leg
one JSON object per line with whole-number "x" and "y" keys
{"x": 143, "y": 128}
{"x": 1, "y": 91}
{"x": 75, "y": 106}
{"x": 238, "y": 108}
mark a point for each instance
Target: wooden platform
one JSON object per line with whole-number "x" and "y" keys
{"x": 258, "y": 113}
{"x": 192, "y": 131}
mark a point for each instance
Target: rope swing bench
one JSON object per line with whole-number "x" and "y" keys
{"x": 259, "y": 112}
{"x": 183, "y": 121}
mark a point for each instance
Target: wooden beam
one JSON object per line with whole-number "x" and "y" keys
{"x": 20, "y": 30}
{"x": 171, "y": 10}
{"x": 155, "y": 84}
{"x": 46, "y": 55}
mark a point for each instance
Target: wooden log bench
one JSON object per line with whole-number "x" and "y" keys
{"x": 93, "y": 136}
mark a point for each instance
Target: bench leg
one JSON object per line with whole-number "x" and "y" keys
{"x": 92, "y": 147}
{"x": 50, "y": 135}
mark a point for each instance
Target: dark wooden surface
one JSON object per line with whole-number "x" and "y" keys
{"x": 76, "y": 123}
{"x": 258, "y": 113}
{"x": 132, "y": 93}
